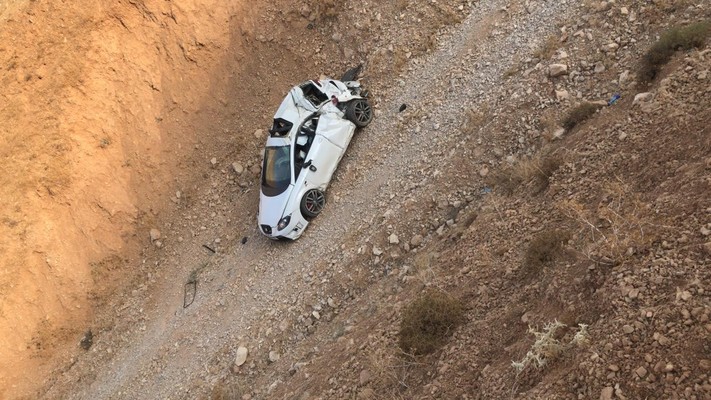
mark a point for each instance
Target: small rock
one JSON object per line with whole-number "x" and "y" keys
{"x": 685, "y": 295}
{"x": 484, "y": 172}
{"x": 259, "y": 134}
{"x": 274, "y": 356}
{"x": 366, "y": 394}
{"x": 562, "y": 95}
{"x": 237, "y": 167}
{"x": 599, "y": 68}
{"x": 555, "y": 70}
{"x": 613, "y": 367}
{"x": 641, "y": 372}
{"x": 241, "y": 356}
{"x": 627, "y": 329}
{"x": 642, "y": 98}
{"x": 416, "y": 240}
{"x": 606, "y": 393}
{"x": 155, "y": 234}
{"x": 705, "y": 231}
{"x": 213, "y": 161}
{"x": 393, "y": 239}
{"x": 364, "y": 377}
{"x": 377, "y": 251}
{"x": 87, "y": 340}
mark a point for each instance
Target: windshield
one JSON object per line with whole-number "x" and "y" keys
{"x": 276, "y": 173}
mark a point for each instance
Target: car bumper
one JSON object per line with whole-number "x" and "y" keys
{"x": 293, "y": 231}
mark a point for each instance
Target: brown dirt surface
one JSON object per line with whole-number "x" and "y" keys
{"x": 128, "y": 118}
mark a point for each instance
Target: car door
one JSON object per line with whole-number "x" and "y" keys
{"x": 337, "y": 130}
{"x": 322, "y": 161}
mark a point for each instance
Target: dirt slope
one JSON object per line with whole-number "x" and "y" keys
{"x": 99, "y": 103}
{"x": 472, "y": 190}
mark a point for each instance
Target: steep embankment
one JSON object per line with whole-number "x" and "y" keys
{"x": 98, "y": 101}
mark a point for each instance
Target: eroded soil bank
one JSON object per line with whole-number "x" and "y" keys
{"x": 99, "y": 102}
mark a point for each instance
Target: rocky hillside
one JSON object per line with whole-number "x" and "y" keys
{"x": 527, "y": 217}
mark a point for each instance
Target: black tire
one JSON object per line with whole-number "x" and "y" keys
{"x": 312, "y": 203}
{"x": 359, "y": 112}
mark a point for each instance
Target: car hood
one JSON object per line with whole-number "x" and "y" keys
{"x": 271, "y": 209}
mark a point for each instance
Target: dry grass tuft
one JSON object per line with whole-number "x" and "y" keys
{"x": 547, "y": 49}
{"x": 325, "y": 9}
{"x": 543, "y": 250}
{"x": 227, "y": 389}
{"x": 676, "y": 38}
{"x": 535, "y": 172}
{"x": 579, "y": 114}
{"x": 428, "y": 322}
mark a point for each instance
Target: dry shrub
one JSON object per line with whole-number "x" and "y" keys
{"x": 227, "y": 389}
{"x": 548, "y": 347}
{"x": 620, "y": 225}
{"x": 543, "y": 250}
{"x": 676, "y": 38}
{"x": 429, "y": 321}
{"x": 535, "y": 172}
{"x": 579, "y": 114}
{"x": 474, "y": 117}
{"x": 547, "y": 49}
{"x": 325, "y": 9}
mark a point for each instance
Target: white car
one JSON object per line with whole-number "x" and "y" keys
{"x": 312, "y": 129}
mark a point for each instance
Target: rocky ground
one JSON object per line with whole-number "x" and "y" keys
{"x": 475, "y": 189}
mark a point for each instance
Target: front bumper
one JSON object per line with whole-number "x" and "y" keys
{"x": 293, "y": 231}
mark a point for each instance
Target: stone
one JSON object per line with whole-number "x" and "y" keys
{"x": 364, "y": 377}
{"x": 259, "y": 134}
{"x": 555, "y": 70}
{"x": 624, "y": 77}
{"x": 366, "y": 394}
{"x": 562, "y": 95}
{"x": 213, "y": 161}
{"x": 274, "y": 356}
{"x": 155, "y": 234}
{"x": 393, "y": 239}
{"x": 237, "y": 167}
{"x": 416, "y": 240}
{"x": 627, "y": 329}
{"x": 641, "y": 372}
{"x": 484, "y": 171}
{"x": 599, "y": 68}
{"x": 241, "y": 356}
{"x": 377, "y": 251}
{"x": 705, "y": 231}
{"x": 642, "y": 98}
{"x": 606, "y": 393}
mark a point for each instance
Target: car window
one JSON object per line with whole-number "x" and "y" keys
{"x": 276, "y": 172}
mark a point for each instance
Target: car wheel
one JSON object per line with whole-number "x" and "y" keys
{"x": 312, "y": 203}
{"x": 359, "y": 112}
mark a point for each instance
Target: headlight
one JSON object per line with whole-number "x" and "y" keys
{"x": 284, "y": 222}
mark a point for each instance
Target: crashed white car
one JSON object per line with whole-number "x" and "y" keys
{"x": 311, "y": 131}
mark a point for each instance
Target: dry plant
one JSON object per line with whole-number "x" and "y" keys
{"x": 547, "y": 49}
{"x": 228, "y": 389}
{"x": 547, "y": 347}
{"x": 620, "y": 222}
{"x": 676, "y": 38}
{"x": 429, "y": 321}
{"x": 535, "y": 171}
{"x": 395, "y": 371}
{"x": 543, "y": 250}
{"x": 579, "y": 114}
{"x": 474, "y": 117}
{"x": 325, "y": 9}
